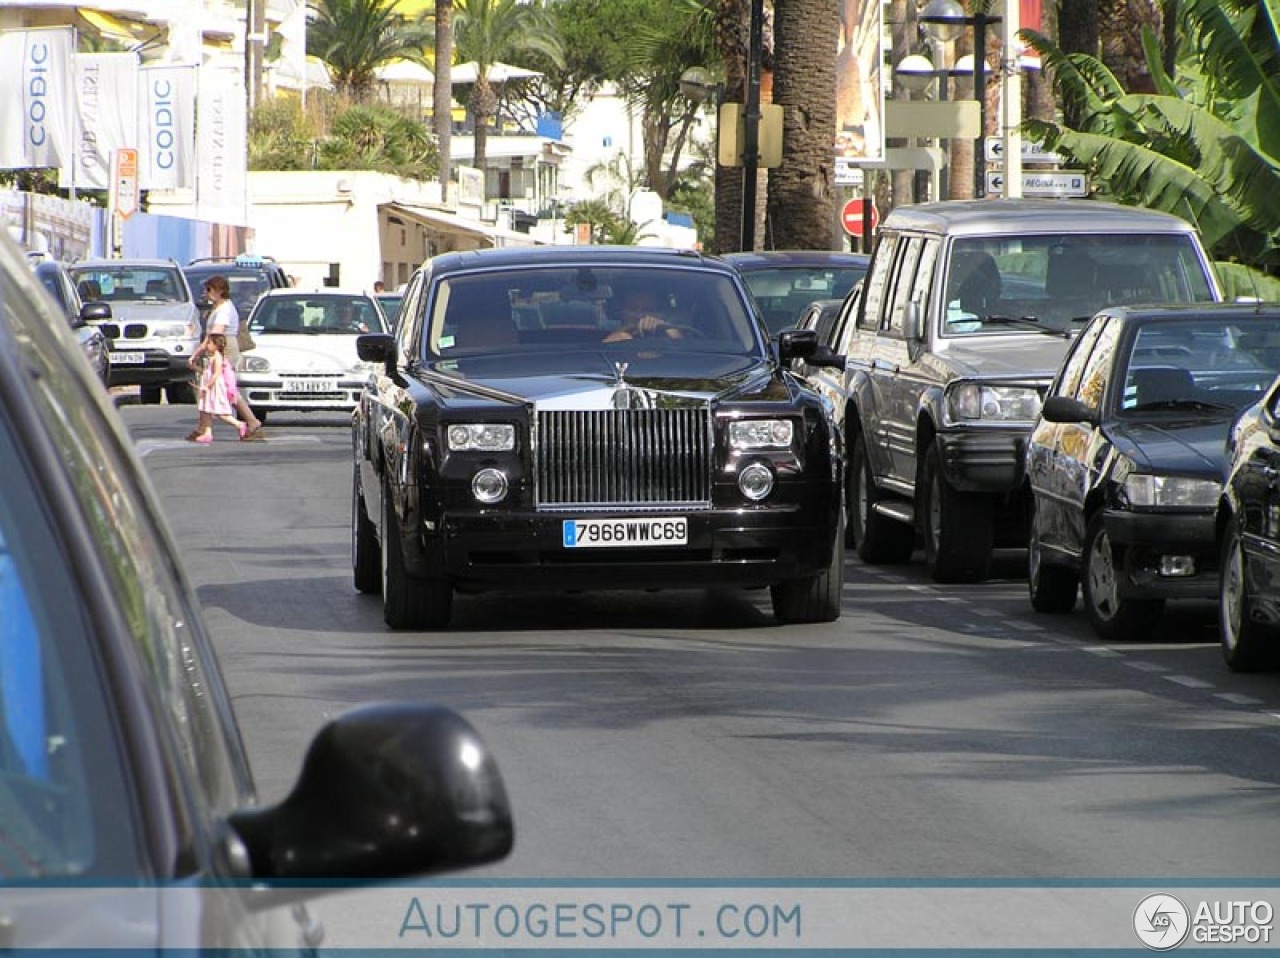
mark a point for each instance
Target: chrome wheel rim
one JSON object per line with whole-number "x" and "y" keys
{"x": 1103, "y": 587}
{"x": 1232, "y": 603}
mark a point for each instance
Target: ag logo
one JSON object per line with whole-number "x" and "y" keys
{"x": 1161, "y": 922}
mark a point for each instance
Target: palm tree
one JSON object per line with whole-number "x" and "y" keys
{"x": 801, "y": 191}
{"x": 493, "y": 31}
{"x": 355, "y": 37}
{"x": 1205, "y": 147}
{"x": 730, "y": 29}
{"x": 442, "y": 91}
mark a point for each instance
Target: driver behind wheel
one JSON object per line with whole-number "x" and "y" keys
{"x": 642, "y": 313}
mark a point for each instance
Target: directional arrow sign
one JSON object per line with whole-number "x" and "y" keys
{"x": 995, "y": 148}
{"x": 1047, "y": 183}
{"x": 1031, "y": 152}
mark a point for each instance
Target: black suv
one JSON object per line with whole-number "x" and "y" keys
{"x": 250, "y": 276}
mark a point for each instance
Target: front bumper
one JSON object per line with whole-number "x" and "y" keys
{"x": 984, "y": 459}
{"x": 1150, "y": 537}
{"x": 301, "y": 393}
{"x": 156, "y": 368}
{"x": 744, "y": 548}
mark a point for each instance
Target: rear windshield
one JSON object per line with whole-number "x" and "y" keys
{"x": 1059, "y": 282}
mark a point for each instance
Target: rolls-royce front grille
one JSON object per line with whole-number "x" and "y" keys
{"x": 629, "y": 458}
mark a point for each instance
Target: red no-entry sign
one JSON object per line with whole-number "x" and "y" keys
{"x": 853, "y": 216}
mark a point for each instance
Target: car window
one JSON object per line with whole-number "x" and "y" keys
{"x": 1213, "y": 360}
{"x": 410, "y": 313}
{"x": 550, "y": 309}
{"x": 317, "y": 314}
{"x": 903, "y": 283}
{"x": 1097, "y": 368}
{"x": 1073, "y": 366}
{"x": 874, "y": 286}
{"x": 127, "y": 283}
{"x": 1061, "y": 281}
{"x": 782, "y": 292}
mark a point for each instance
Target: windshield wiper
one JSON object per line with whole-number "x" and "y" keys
{"x": 1183, "y": 404}
{"x": 1026, "y": 322}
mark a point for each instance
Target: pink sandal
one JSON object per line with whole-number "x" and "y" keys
{"x": 243, "y": 428}
{"x": 207, "y": 437}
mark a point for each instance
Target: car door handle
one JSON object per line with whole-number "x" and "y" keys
{"x": 886, "y": 366}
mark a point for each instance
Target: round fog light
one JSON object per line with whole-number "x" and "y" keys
{"x": 489, "y": 486}
{"x": 755, "y": 481}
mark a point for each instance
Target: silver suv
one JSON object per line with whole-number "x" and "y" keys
{"x": 963, "y": 319}
{"x": 155, "y": 324}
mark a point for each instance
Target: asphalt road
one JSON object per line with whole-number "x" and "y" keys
{"x": 932, "y": 732}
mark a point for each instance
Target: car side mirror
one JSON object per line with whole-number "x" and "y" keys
{"x": 1067, "y": 409}
{"x": 377, "y": 348}
{"x": 912, "y": 323}
{"x": 797, "y": 344}
{"x": 825, "y": 356}
{"x": 95, "y": 312}
{"x": 386, "y": 791}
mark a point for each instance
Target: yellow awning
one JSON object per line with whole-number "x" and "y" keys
{"x": 114, "y": 28}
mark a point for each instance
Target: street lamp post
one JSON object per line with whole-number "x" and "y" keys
{"x": 945, "y": 20}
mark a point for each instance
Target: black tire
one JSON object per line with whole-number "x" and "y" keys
{"x": 1052, "y": 587}
{"x": 877, "y": 539}
{"x": 366, "y": 554}
{"x": 149, "y": 395}
{"x": 408, "y": 602}
{"x": 957, "y": 527}
{"x": 1247, "y": 646}
{"x": 180, "y": 393}
{"x": 815, "y": 598}
{"x": 1113, "y": 617}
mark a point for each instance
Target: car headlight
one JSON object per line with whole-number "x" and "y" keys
{"x": 760, "y": 434}
{"x": 969, "y": 402}
{"x": 255, "y": 364}
{"x": 172, "y": 331}
{"x": 481, "y": 437}
{"x": 1170, "y": 492}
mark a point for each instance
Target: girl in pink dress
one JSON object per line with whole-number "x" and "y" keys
{"x": 217, "y": 391}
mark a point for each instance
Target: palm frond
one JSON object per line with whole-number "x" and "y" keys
{"x": 1082, "y": 82}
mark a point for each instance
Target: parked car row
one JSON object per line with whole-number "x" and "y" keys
{"x": 1002, "y": 379}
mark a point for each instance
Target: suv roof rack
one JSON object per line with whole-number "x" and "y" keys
{"x": 243, "y": 259}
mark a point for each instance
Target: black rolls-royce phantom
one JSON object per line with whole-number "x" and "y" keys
{"x": 591, "y": 418}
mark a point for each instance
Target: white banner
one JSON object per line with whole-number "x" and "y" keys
{"x": 106, "y": 88}
{"x": 36, "y": 90}
{"x": 166, "y": 147}
{"x": 222, "y": 146}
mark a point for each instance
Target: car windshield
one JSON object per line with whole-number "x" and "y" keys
{"x": 613, "y": 307}
{"x": 63, "y": 810}
{"x": 132, "y": 284}
{"x": 390, "y": 303}
{"x": 317, "y": 314}
{"x": 246, "y": 287}
{"x": 1010, "y": 284}
{"x": 783, "y": 292}
{"x": 1206, "y": 363}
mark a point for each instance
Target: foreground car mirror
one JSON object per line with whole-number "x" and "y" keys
{"x": 797, "y": 344}
{"x": 912, "y": 323}
{"x": 386, "y": 791}
{"x": 376, "y": 348}
{"x": 1067, "y": 409}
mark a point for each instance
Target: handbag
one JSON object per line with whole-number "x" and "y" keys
{"x": 244, "y": 338}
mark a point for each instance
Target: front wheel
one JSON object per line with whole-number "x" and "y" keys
{"x": 876, "y": 538}
{"x": 1247, "y": 645}
{"x": 957, "y": 526}
{"x": 1112, "y": 616}
{"x": 366, "y": 559}
{"x": 408, "y": 602}
{"x": 1053, "y": 588}
{"x": 814, "y": 598}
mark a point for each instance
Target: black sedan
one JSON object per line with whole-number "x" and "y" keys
{"x": 784, "y": 282}
{"x": 1249, "y": 538}
{"x": 122, "y": 770}
{"x": 1125, "y": 463}
{"x": 591, "y": 418}
{"x": 84, "y": 318}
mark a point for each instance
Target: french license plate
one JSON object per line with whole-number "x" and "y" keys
{"x": 630, "y": 533}
{"x": 122, "y": 358}
{"x": 311, "y": 385}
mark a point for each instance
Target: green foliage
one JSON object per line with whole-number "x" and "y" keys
{"x": 355, "y": 37}
{"x": 1239, "y": 281}
{"x": 373, "y": 138}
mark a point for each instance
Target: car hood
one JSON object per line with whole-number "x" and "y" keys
{"x": 291, "y": 352}
{"x": 1036, "y": 356}
{"x": 606, "y": 379}
{"x": 152, "y": 312}
{"x": 1188, "y": 447}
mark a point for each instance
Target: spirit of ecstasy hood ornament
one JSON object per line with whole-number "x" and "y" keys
{"x": 620, "y": 372}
